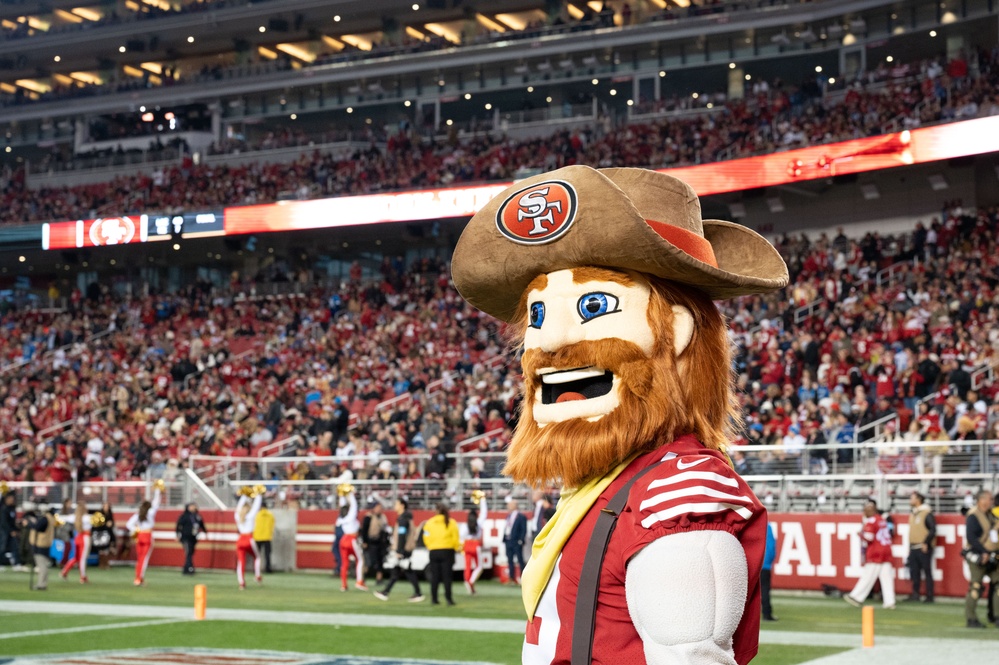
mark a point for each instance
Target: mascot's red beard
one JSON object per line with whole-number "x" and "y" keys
{"x": 572, "y": 451}
{"x": 659, "y": 398}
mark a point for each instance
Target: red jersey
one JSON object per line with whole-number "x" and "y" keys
{"x": 877, "y": 536}
{"x": 669, "y": 499}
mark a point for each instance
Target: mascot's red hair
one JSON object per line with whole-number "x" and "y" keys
{"x": 608, "y": 276}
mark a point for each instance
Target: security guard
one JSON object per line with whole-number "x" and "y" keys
{"x": 263, "y": 533}
{"x": 41, "y": 536}
{"x": 922, "y": 540}
{"x": 980, "y": 548}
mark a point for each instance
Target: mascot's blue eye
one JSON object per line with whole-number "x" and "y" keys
{"x": 593, "y": 305}
{"x": 537, "y": 314}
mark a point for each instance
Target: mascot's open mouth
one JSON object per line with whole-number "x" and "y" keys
{"x": 572, "y": 385}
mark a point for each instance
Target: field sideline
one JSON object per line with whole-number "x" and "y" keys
{"x": 307, "y": 613}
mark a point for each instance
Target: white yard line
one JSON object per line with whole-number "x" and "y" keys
{"x": 926, "y": 651}
{"x": 84, "y": 629}
{"x": 513, "y": 626}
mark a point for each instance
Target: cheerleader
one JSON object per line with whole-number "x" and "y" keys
{"x": 141, "y": 525}
{"x": 349, "y": 544}
{"x": 474, "y": 535}
{"x": 246, "y": 519}
{"x": 83, "y": 525}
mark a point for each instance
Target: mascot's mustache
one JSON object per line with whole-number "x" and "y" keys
{"x": 609, "y": 354}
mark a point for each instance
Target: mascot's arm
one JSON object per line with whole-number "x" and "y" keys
{"x": 686, "y": 593}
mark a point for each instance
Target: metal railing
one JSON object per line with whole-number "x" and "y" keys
{"x": 803, "y": 312}
{"x": 490, "y": 437}
{"x": 982, "y": 376}
{"x": 822, "y": 478}
{"x": 888, "y": 276}
{"x": 876, "y": 429}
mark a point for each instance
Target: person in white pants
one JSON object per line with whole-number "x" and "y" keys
{"x": 878, "y": 563}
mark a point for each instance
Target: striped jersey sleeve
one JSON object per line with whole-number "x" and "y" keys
{"x": 690, "y": 493}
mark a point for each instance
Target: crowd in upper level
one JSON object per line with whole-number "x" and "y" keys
{"x": 773, "y": 118}
{"x": 402, "y": 366}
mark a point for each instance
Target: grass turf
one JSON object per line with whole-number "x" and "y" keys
{"x": 463, "y": 646}
{"x": 320, "y": 593}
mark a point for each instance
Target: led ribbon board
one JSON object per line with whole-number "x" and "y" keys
{"x": 918, "y": 146}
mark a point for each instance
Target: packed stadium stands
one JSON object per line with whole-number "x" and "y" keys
{"x": 876, "y": 339}
{"x": 775, "y": 118}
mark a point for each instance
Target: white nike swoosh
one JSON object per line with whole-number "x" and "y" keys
{"x": 682, "y": 466}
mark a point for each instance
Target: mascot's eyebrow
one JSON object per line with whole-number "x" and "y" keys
{"x": 589, "y": 274}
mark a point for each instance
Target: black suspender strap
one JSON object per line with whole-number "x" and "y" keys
{"x": 585, "y": 616}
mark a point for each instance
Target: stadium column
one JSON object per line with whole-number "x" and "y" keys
{"x": 736, "y": 83}
{"x": 217, "y": 122}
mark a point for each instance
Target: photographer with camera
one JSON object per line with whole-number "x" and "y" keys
{"x": 980, "y": 548}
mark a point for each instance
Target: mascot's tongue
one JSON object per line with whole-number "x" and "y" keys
{"x": 569, "y": 397}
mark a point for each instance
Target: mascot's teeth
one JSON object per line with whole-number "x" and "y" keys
{"x": 571, "y": 375}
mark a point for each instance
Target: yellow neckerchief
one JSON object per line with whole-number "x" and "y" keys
{"x": 572, "y": 508}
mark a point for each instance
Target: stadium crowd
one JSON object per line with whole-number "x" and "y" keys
{"x": 132, "y": 402}
{"x": 844, "y": 346}
{"x": 772, "y": 119}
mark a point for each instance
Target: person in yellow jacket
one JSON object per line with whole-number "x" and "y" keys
{"x": 263, "y": 533}
{"x": 440, "y": 537}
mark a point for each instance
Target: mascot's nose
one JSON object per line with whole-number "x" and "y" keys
{"x": 560, "y": 329}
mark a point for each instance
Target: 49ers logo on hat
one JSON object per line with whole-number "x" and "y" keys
{"x": 538, "y": 214}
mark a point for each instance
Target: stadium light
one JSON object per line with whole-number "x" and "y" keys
{"x": 530, "y": 88}
{"x": 262, "y": 28}
{"x": 57, "y": 58}
{"x": 407, "y": 103}
{"x": 190, "y": 39}
{"x": 748, "y": 77}
{"x": 350, "y": 109}
{"x": 594, "y": 81}
{"x": 933, "y": 33}
{"x": 294, "y": 116}
{"x": 121, "y": 49}
{"x": 662, "y": 74}
{"x": 549, "y": 99}
{"x": 818, "y": 69}
{"x": 613, "y": 92}
{"x": 416, "y": 7}
{"x": 336, "y": 19}
{"x": 889, "y": 59}
{"x": 489, "y": 107}
{"x": 731, "y": 65}
{"x": 468, "y": 95}
{"x": 21, "y": 259}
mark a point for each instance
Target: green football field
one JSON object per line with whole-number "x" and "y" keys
{"x": 307, "y": 613}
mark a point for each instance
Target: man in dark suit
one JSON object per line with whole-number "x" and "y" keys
{"x": 189, "y": 527}
{"x": 514, "y": 535}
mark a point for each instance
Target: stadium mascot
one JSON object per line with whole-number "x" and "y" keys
{"x": 608, "y": 276}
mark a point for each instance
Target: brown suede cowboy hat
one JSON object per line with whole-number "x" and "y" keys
{"x": 631, "y": 219}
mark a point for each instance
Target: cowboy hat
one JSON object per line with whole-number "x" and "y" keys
{"x": 630, "y": 219}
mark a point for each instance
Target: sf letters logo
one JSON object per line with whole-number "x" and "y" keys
{"x": 534, "y": 206}
{"x": 538, "y": 214}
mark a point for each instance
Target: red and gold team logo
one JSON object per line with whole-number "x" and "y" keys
{"x": 538, "y": 214}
